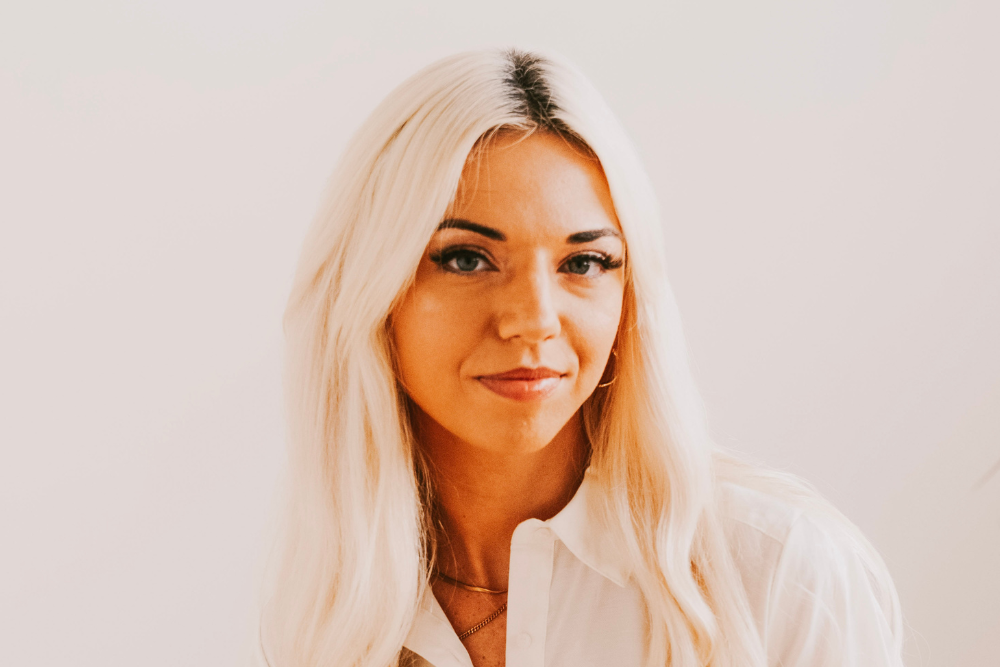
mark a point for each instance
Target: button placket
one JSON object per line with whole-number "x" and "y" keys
{"x": 531, "y": 556}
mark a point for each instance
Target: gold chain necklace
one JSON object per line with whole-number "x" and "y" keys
{"x": 474, "y": 589}
{"x": 461, "y": 584}
{"x": 484, "y": 623}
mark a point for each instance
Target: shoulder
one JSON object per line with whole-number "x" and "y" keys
{"x": 817, "y": 590}
{"x": 756, "y": 526}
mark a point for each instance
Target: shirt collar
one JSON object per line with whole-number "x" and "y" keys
{"x": 583, "y": 527}
{"x": 432, "y": 637}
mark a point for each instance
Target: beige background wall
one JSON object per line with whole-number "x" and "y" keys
{"x": 831, "y": 182}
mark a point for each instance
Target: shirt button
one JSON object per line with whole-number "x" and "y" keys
{"x": 524, "y": 640}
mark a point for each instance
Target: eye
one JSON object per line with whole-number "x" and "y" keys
{"x": 590, "y": 264}
{"x": 461, "y": 260}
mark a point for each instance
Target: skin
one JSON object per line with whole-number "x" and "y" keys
{"x": 524, "y": 293}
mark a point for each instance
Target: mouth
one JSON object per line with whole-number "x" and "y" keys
{"x": 523, "y": 384}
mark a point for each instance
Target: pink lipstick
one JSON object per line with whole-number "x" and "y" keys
{"x": 523, "y": 384}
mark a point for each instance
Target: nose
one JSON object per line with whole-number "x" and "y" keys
{"x": 527, "y": 307}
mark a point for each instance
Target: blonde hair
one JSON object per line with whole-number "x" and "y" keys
{"x": 355, "y": 546}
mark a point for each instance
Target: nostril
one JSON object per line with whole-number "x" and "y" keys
{"x": 532, "y": 325}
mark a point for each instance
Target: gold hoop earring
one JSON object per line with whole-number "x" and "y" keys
{"x": 612, "y": 380}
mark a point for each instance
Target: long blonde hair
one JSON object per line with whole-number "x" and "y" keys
{"x": 355, "y": 546}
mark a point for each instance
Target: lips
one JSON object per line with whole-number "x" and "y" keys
{"x": 523, "y": 384}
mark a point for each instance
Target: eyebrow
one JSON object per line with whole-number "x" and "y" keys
{"x": 459, "y": 223}
{"x": 593, "y": 235}
{"x": 497, "y": 235}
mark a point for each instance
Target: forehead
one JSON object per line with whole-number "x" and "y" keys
{"x": 535, "y": 185}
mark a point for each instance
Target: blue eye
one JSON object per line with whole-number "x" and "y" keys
{"x": 465, "y": 262}
{"x": 585, "y": 263}
{"x": 461, "y": 260}
{"x": 580, "y": 264}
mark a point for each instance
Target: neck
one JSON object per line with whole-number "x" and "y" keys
{"x": 481, "y": 495}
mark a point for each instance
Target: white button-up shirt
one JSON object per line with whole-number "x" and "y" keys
{"x": 571, "y": 602}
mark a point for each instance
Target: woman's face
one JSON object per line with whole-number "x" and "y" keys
{"x": 516, "y": 302}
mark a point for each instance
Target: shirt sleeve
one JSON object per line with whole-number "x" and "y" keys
{"x": 825, "y": 609}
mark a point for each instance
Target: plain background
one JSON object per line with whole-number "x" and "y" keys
{"x": 830, "y": 180}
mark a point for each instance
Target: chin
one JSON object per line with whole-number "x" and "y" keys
{"x": 518, "y": 435}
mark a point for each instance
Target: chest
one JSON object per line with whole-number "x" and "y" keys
{"x": 560, "y": 613}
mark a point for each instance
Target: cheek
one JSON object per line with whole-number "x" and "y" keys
{"x": 596, "y": 324}
{"x": 432, "y": 338}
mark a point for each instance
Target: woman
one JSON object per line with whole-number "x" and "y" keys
{"x": 497, "y": 452}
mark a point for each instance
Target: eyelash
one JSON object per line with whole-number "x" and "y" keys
{"x": 446, "y": 255}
